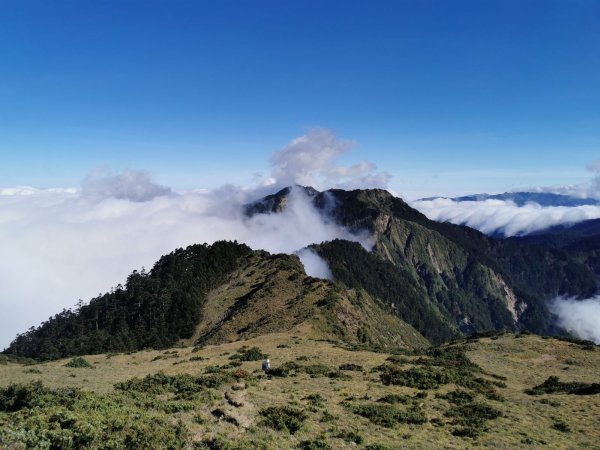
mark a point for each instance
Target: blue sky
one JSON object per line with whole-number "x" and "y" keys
{"x": 447, "y": 96}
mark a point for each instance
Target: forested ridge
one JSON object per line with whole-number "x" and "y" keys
{"x": 154, "y": 309}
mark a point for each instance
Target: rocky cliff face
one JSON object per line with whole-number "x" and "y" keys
{"x": 475, "y": 281}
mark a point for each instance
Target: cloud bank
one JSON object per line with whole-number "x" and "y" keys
{"x": 579, "y": 317}
{"x": 590, "y": 189}
{"x": 314, "y": 265}
{"x": 61, "y": 245}
{"x": 504, "y": 217}
{"x": 312, "y": 160}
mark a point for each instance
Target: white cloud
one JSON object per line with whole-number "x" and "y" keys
{"x": 311, "y": 160}
{"x": 498, "y": 216}
{"x": 589, "y": 189}
{"x": 579, "y": 317}
{"x": 60, "y": 245}
{"x": 314, "y": 265}
{"x": 132, "y": 185}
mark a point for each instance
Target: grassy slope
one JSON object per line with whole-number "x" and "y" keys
{"x": 524, "y": 361}
{"x": 272, "y": 294}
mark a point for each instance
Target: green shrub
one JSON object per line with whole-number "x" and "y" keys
{"x": 352, "y": 367}
{"x": 38, "y": 417}
{"x": 315, "y": 400}
{"x": 388, "y": 415}
{"x": 416, "y": 377}
{"x": 316, "y": 444}
{"x": 315, "y": 370}
{"x": 554, "y": 385}
{"x": 377, "y": 447}
{"x": 472, "y": 416}
{"x": 350, "y": 436}
{"x": 339, "y": 375}
{"x": 279, "y": 372}
{"x": 249, "y": 354}
{"x": 283, "y": 418}
{"x": 458, "y": 397}
{"x": 228, "y": 444}
{"x": 561, "y": 426}
{"x": 79, "y": 363}
{"x": 393, "y": 399}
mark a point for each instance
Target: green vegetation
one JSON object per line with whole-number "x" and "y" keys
{"x": 249, "y": 354}
{"x": 283, "y": 418}
{"x": 79, "y": 363}
{"x": 356, "y": 268}
{"x": 235, "y": 409}
{"x": 388, "y": 415}
{"x": 70, "y": 418}
{"x": 153, "y": 309}
{"x": 446, "y": 269}
{"x": 316, "y": 444}
{"x": 553, "y": 385}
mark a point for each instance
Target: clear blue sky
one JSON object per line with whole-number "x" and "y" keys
{"x": 448, "y": 96}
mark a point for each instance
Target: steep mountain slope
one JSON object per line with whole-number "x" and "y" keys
{"x": 473, "y": 281}
{"x": 215, "y": 294}
{"x": 466, "y": 272}
{"x": 581, "y": 241}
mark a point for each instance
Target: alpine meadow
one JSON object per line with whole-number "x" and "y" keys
{"x": 415, "y": 263}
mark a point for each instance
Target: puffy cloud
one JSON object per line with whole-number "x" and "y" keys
{"x": 132, "y": 185}
{"x": 579, "y": 317}
{"x": 314, "y": 265}
{"x": 311, "y": 160}
{"x": 504, "y": 217}
{"x": 589, "y": 189}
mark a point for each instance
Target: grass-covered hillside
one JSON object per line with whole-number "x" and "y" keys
{"x": 219, "y": 293}
{"x": 506, "y": 391}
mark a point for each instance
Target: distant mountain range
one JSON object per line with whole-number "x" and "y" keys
{"x": 522, "y": 198}
{"x": 422, "y": 282}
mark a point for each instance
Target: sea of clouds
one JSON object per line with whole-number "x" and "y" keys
{"x": 61, "y": 245}
{"x": 509, "y": 219}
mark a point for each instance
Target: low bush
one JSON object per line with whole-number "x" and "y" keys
{"x": 316, "y": 444}
{"x": 458, "y": 397}
{"x": 249, "y": 354}
{"x": 315, "y": 400}
{"x": 377, "y": 447}
{"x": 79, "y": 363}
{"x": 561, "y": 426}
{"x": 39, "y": 417}
{"x": 229, "y": 444}
{"x": 350, "y": 436}
{"x": 283, "y": 418}
{"x": 351, "y": 367}
{"x": 388, "y": 415}
{"x": 553, "y": 385}
{"x": 471, "y": 416}
{"x": 393, "y": 399}
{"x": 416, "y": 377}
{"x": 315, "y": 370}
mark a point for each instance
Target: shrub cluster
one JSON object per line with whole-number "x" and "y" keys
{"x": 283, "y": 418}
{"x": 249, "y": 354}
{"x": 389, "y": 415}
{"x": 79, "y": 363}
{"x": 553, "y": 385}
{"x": 39, "y": 417}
